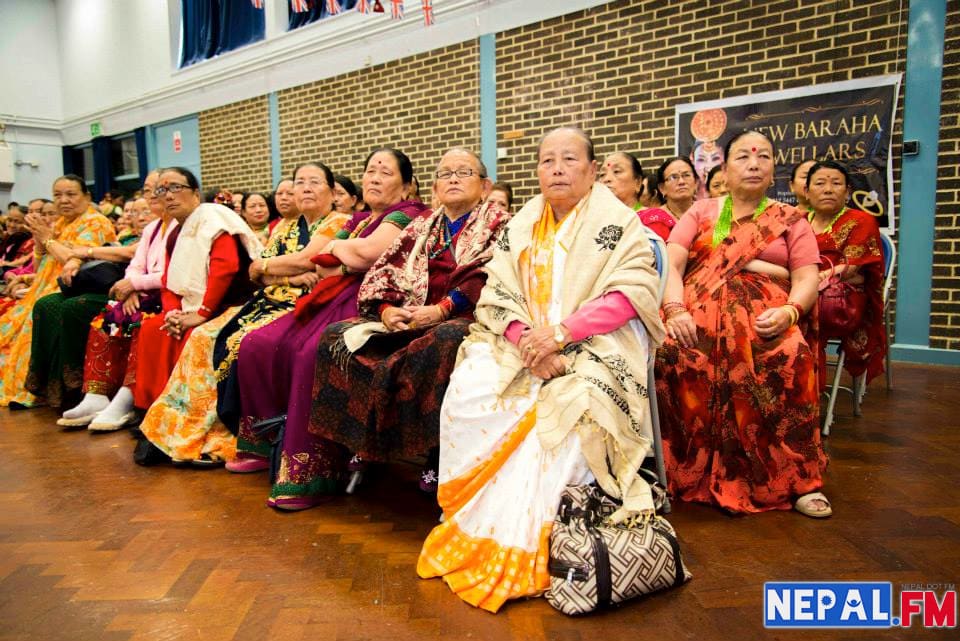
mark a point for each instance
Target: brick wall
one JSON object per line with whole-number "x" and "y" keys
{"x": 616, "y": 70}
{"x": 235, "y": 145}
{"x": 421, "y": 105}
{"x": 945, "y": 317}
{"x": 619, "y": 70}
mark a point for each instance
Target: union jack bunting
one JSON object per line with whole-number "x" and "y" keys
{"x": 396, "y": 9}
{"x": 299, "y": 6}
{"x": 363, "y": 6}
{"x": 333, "y": 7}
{"x": 257, "y": 4}
{"x": 427, "y": 12}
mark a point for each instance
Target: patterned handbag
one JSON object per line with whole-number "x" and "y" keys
{"x": 594, "y": 565}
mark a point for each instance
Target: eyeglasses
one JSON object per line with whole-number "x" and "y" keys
{"x": 173, "y": 188}
{"x": 446, "y": 174}
{"x": 672, "y": 178}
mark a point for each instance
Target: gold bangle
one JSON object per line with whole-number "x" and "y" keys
{"x": 46, "y": 243}
{"x": 89, "y": 252}
{"x": 266, "y": 262}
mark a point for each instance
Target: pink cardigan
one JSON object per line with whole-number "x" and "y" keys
{"x": 146, "y": 268}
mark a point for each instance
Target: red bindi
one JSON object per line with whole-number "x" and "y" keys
{"x": 753, "y": 149}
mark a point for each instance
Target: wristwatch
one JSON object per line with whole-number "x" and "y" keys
{"x": 559, "y": 338}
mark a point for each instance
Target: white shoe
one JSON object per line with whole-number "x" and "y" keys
{"x": 111, "y": 425}
{"x": 80, "y": 421}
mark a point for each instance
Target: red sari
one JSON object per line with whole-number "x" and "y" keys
{"x": 856, "y": 236}
{"x": 739, "y": 414}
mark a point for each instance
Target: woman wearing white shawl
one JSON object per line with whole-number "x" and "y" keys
{"x": 550, "y": 387}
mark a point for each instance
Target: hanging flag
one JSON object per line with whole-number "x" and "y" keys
{"x": 257, "y": 4}
{"x": 363, "y": 6}
{"x": 377, "y": 7}
{"x": 333, "y": 7}
{"x": 427, "y": 12}
{"x": 299, "y": 6}
{"x": 396, "y": 9}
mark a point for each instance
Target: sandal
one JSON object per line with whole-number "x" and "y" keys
{"x": 807, "y": 505}
{"x": 297, "y": 503}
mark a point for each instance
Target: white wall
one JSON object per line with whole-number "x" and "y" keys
{"x": 30, "y": 96}
{"x": 29, "y": 63}
{"x": 117, "y": 60}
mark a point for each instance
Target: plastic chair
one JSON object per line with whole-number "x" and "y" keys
{"x": 660, "y": 262}
{"x": 860, "y": 382}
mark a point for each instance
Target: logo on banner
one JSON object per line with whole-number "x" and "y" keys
{"x": 177, "y": 142}
{"x": 849, "y": 604}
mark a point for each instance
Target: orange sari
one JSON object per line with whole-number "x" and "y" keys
{"x": 739, "y": 414}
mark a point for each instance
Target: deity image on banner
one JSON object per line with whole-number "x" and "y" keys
{"x": 707, "y": 126}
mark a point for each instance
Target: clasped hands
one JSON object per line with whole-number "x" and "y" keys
{"x": 541, "y": 353}
{"x": 411, "y": 317}
{"x": 177, "y": 322}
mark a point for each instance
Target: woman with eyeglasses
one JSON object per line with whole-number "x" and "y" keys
{"x": 182, "y": 423}
{"x": 736, "y": 377}
{"x": 310, "y": 467}
{"x": 677, "y": 183}
{"x": 134, "y": 298}
{"x": 204, "y": 282}
{"x": 380, "y": 378}
{"x": 79, "y": 225}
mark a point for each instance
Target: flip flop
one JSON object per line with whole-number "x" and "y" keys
{"x": 805, "y": 505}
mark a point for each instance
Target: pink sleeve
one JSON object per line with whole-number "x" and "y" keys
{"x": 600, "y": 316}
{"x": 514, "y": 329}
{"x": 137, "y": 269}
{"x": 802, "y": 246}
{"x": 685, "y": 230}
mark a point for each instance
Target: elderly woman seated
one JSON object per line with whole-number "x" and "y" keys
{"x": 379, "y": 383}
{"x": 78, "y": 225}
{"x": 736, "y": 378}
{"x": 850, "y": 239}
{"x": 550, "y": 385}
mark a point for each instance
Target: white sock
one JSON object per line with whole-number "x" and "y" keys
{"x": 121, "y": 405}
{"x": 90, "y": 405}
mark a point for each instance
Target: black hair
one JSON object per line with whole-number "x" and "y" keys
{"x": 12, "y": 204}
{"x": 662, "y": 169}
{"x": 828, "y": 164}
{"x": 505, "y": 188}
{"x": 740, "y": 134}
{"x": 649, "y": 184}
{"x": 635, "y": 165}
{"x": 267, "y": 198}
{"x": 406, "y": 167}
{"x": 796, "y": 168}
{"x": 348, "y": 185}
{"x": 327, "y": 172}
{"x": 23, "y": 209}
{"x": 588, "y": 141}
{"x": 75, "y": 179}
{"x": 713, "y": 172}
{"x": 192, "y": 181}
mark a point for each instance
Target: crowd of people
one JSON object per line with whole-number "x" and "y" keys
{"x": 329, "y": 325}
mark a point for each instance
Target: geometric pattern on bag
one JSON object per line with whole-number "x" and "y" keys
{"x": 594, "y": 565}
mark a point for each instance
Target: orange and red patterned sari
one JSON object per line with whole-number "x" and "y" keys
{"x": 739, "y": 414}
{"x": 856, "y": 236}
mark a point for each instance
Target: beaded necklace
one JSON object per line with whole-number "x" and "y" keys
{"x": 828, "y": 228}
{"x": 722, "y": 229}
{"x": 448, "y": 232}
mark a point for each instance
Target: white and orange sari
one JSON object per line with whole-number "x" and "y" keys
{"x": 509, "y": 441}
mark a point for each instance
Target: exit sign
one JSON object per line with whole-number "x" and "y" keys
{"x": 96, "y": 129}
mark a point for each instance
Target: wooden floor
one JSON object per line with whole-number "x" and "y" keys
{"x": 95, "y": 547}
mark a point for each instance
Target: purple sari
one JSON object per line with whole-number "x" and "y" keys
{"x": 276, "y": 367}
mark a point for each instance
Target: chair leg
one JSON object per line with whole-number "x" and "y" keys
{"x": 859, "y": 386}
{"x": 886, "y": 328}
{"x": 834, "y": 388}
{"x": 355, "y": 478}
{"x": 657, "y": 440}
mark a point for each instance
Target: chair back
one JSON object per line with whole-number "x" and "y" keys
{"x": 889, "y": 264}
{"x": 660, "y": 263}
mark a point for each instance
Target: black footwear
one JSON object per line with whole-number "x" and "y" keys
{"x": 146, "y": 453}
